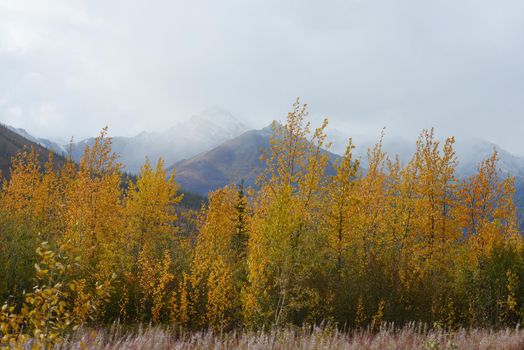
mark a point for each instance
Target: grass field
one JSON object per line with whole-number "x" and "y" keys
{"x": 409, "y": 337}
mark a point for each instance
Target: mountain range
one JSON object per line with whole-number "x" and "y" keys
{"x": 213, "y": 149}
{"x": 12, "y": 142}
{"x": 184, "y": 140}
{"x": 470, "y": 152}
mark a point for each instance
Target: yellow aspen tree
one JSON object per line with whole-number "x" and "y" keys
{"x": 19, "y": 227}
{"x": 95, "y": 224}
{"x": 182, "y": 310}
{"x": 435, "y": 188}
{"x": 284, "y": 230}
{"x": 221, "y": 296}
{"x": 492, "y": 246}
{"x": 150, "y": 207}
{"x": 57, "y": 304}
{"x": 32, "y": 204}
{"x": 435, "y": 226}
{"x": 219, "y": 257}
{"x": 487, "y": 210}
{"x": 368, "y": 239}
{"x": 369, "y": 225}
{"x": 403, "y": 241}
{"x": 338, "y": 217}
{"x": 155, "y": 278}
{"x": 19, "y": 191}
{"x": 49, "y": 206}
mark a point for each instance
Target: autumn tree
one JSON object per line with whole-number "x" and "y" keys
{"x": 217, "y": 271}
{"x": 487, "y": 210}
{"x": 319, "y": 238}
{"x": 338, "y": 218}
{"x": 434, "y": 232}
{"x": 95, "y": 223}
{"x": 489, "y": 273}
{"x": 284, "y": 260}
{"x": 152, "y": 241}
{"x": 32, "y": 209}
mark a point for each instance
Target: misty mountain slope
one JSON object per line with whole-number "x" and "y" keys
{"x": 232, "y": 161}
{"x": 470, "y": 152}
{"x": 228, "y": 163}
{"x": 12, "y": 142}
{"x": 186, "y": 139}
{"x": 52, "y": 145}
{"x": 473, "y": 151}
{"x": 216, "y": 151}
{"x": 238, "y": 159}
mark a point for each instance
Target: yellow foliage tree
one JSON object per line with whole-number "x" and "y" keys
{"x": 150, "y": 209}
{"x": 285, "y": 230}
{"x": 153, "y": 238}
{"x": 487, "y": 211}
{"x": 95, "y": 224}
{"x": 219, "y": 258}
{"x": 58, "y": 303}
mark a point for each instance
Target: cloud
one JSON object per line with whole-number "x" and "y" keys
{"x": 71, "y": 67}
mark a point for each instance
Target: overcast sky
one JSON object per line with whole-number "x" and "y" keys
{"x": 70, "y": 67}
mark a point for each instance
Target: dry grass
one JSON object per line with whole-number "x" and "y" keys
{"x": 410, "y": 337}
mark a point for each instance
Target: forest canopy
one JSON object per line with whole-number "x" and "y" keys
{"x": 312, "y": 242}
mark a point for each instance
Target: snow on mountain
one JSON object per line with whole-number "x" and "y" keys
{"x": 185, "y": 139}
{"x": 214, "y": 127}
{"x": 472, "y": 151}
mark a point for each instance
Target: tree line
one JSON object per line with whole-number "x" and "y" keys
{"x": 314, "y": 241}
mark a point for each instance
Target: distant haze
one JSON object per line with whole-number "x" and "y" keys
{"x": 70, "y": 67}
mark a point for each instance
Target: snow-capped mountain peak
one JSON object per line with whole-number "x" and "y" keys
{"x": 185, "y": 139}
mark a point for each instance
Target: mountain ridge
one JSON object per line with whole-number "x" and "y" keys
{"x": 11, "y": 142}
{"x": 234, "y": 151}
{"x": 184, "y": 140}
